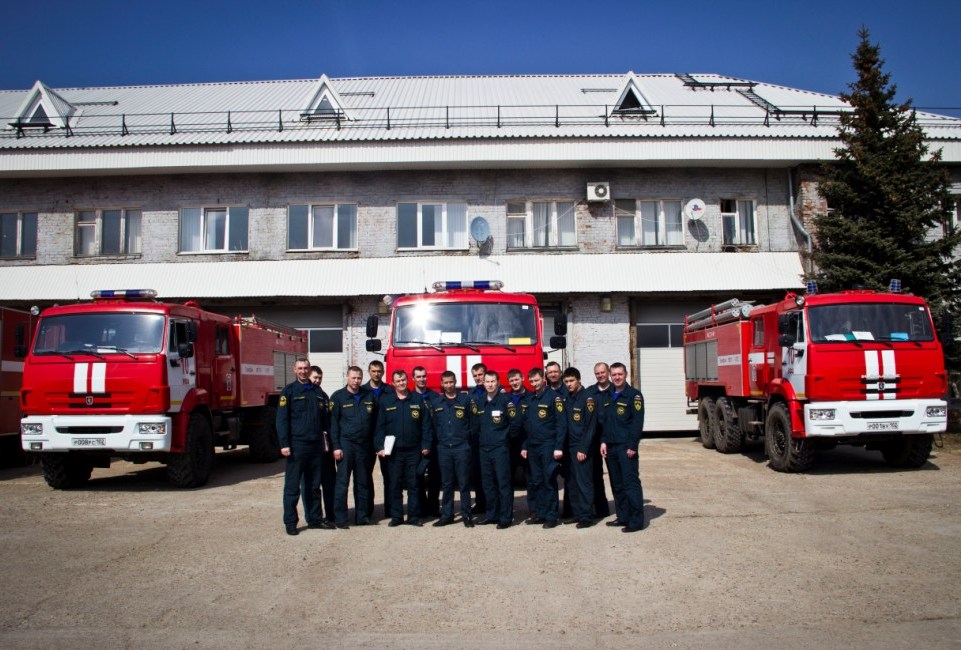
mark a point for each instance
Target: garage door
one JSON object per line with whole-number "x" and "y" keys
{"x": 662, "y": 382}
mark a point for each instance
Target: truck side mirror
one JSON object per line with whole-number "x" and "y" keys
{"x": 372, "y": 322}
{"x": 560, "y": 326}
{"x": 783, "y": 326}
{"x": 558, "y": 342}
{"x": 185, "y": 350}
{"x": 785, "y": 340}
{"x": 373, "y": 345}
{"x": 946, "y": 327}
{"x": 191, "y": 333}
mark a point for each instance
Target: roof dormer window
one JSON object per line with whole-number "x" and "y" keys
{"x": 631, "y": 101}
{"x": 42, "y": 108}
{"x": 324, "y": 103}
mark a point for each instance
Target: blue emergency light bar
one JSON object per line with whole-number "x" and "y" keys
{"x": 895, "y": 286}
{"x": 811, "y": 287}
{"x": 451, "y": 285}
{"x": 123, "y": 293}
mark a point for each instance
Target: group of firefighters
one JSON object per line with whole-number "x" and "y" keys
{"x": 431, "y": 443}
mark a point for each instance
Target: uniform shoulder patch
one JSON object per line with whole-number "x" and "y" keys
{"x": 638, "y": 402}
{"x": 590, "y": 404}
{"x": 283, "y": 400}
{"x": 559, "y": 405}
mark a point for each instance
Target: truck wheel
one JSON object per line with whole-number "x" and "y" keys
{"x": 910, "y": 452}
{"x": 706, "y": 421}
{"x": 785, "y": 453}
{"x": 264, "y": 444}
{"x": 728, "y": 438}
{"x": 192, "y": 468}
{"x": 64, "y": 471}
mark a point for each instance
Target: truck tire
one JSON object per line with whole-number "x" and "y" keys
{"x": 910, "y": 452}
{"x": 264, "y": 446}
{"x": 192, "y": 468}
{"x": 728, "y": 438}
{"x": 706, "y": 421}
{"x": 785, "y": 453}
{"x": 64, "y": 471}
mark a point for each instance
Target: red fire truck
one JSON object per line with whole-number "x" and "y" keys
{"x": 128, "y": 376}
{"x": 15, "y": 329}
{"x": 462, "y": 324}
{"x": 814, "y": 371}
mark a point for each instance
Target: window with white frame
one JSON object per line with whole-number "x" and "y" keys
{"x": 213, "y": 230}
{"x": 432, "y": 225}
{"x": 649, "y": 222}
{"x": 18, "y": 234}
{"x": 108, "y": 232}
{"x": 322, "y": 227}
{"x": 737, "y": 222}
{"x": 540, "y": 224}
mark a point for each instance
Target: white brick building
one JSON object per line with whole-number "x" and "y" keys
{"x": 306, "y": 201}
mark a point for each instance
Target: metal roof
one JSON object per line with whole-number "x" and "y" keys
{"x": 632, "y": 273}
{"x": 429, "y": 108}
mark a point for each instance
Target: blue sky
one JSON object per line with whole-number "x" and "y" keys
{"x": 799, "y": 44}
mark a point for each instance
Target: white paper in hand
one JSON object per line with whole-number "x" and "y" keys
{"x": 389, "y": 444}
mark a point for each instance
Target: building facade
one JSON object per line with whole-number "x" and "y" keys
{"x": 624, "y": 201}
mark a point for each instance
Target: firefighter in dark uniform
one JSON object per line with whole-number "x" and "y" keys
{"x": 581, "y": 410}
{"x": 518, "y": 393}
{"x": 495, "y": 421}
{"x": 450, "y": 416}
{"x": 352, "y": 418}
{"x": 477, "y": 371}
{"x": 623, "y": 427}
{"x": 300, "y": 419}
{"x": 428, "y": 485}
{"x": 404, "y": 417}
{"x": 377, "y": 387}
{"x": 328, "y": 474}
{"x": 601, "y": 392}
{"x": 545, "y": 435}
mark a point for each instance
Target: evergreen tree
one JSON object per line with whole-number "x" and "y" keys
{"x": 890, "y": 210}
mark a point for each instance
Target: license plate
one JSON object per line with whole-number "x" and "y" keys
{"x": 89, "y": 442}
{"x": 882, "y": 426}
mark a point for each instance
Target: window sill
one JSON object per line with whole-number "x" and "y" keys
{"x": 321, "y": 250}
{"x": 435, "y": 249}
{"x": 652, "y": 247}
{"x": 217, "y": 252}
{"x": 131, "y": 256}
{"x": 543, "y": 249}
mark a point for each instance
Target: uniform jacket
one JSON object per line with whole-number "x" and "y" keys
{"x": 352, "y": 417}
{"x": 451, "y": 418}
{"x": 301, "y": 415}
{"x": 494, "y": 421}
{"x": 623, "y": 417}
{"x": 600, "y": 396}
{"x": 544, "y": 420}
{"x": 581, "y": 409}
{"x": 407, "y": 419}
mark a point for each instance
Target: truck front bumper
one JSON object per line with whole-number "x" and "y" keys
{"x": 909, "y": 416}
{"x": 120, "y": 433}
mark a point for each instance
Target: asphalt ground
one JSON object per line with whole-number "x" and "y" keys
{"x": 851, "y": 554}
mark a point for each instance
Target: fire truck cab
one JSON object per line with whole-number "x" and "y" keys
{"x": 15, "y": 330}
{"x": 461, "y": 324}
{"x": 814, "y": 371}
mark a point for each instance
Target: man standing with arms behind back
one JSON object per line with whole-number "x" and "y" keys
{"x": 601, "y": 392}
{"x": 352, "y": 420}
{"x": 623, "y": 426}
{"x": 300, "y": 420}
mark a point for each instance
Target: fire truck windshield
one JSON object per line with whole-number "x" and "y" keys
{"x": 464, "y": 323}
{"x": 873, "y": 321}
{"x": 100, "y": 333}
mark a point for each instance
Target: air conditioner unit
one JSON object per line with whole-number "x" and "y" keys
{"x": 598, "y": 192}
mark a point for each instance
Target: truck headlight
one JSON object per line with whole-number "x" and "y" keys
{"x": 936, "y": 411}
{"x": 821, "y": 414}
{"x": 152, "y": 428}
{"x": 31, "y": 429}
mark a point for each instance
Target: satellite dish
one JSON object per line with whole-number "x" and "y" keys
{"x": 694, "y": 209}
{"x": 480, "y": 230}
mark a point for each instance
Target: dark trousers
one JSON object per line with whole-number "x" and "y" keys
{"x": 601, "y": 507}
{"x": 542, "y": 489}
{"x": 477, "y": 477}
{"x": 579, "y": 485}
{"x": 301, "y": 479}
{"x": 403, "y": 476}
{"x": 428, "y": 487}
{"x": 454, "y": 463}
{"x": 626, "y": 486}
{"x": 328, "y": 483}
{"x": 385, "y": 475}
{"x": 355, "y": 462}
{"x": 495, "y": 475}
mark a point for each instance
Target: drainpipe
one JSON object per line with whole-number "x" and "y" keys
{"x": 797, "y": 222}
